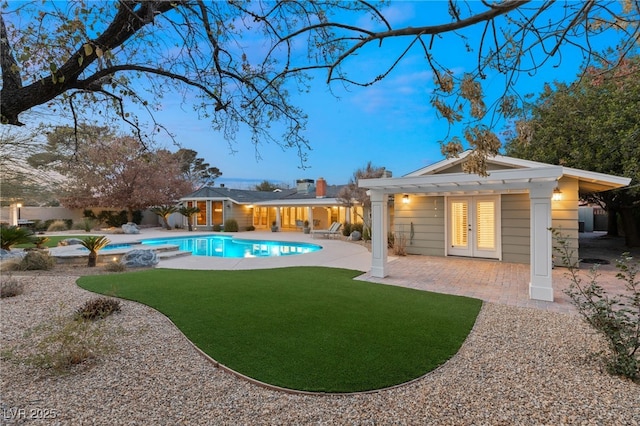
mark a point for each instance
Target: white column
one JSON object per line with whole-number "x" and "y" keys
{"x": 278, "y": 218}
{"x": 541, "y": 285}
{"x": 13, "y": 214}
{"x": 378, "y": 233}
{"x": 310, "y": 216}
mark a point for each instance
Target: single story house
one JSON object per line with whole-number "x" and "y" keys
{"x": 506, "y": 216}
{"x": 311, "y": 201}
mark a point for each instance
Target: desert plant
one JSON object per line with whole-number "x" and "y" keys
{"x": 164, "y": 212}
{"x": 400, "y": 244}
{"x": 615, "y": 317}
{"x": 346, "y": 229}
{"x": 37, "y": 260}
{"x": 94, "y": 244}
{"x": 97, "y": 308}
{"x": 61, "y": 343}
{"x": 86, "y": 224}
{"x": 40, "y": 241}
{"x": 13, "y": 235}
{"x": 231, "y": 225}
{"x": 57, "y": 226}
{"x": 115, "y": 267}
{"x": 10, "y": 287}
{"x": 189, "y": 212}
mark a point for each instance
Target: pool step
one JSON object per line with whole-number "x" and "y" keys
{"x": 172, "y": 254}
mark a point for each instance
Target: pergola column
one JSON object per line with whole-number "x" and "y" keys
{"x": 378, "y": 233}
{"x": 541, "y": 285}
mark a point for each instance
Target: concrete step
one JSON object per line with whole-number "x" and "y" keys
{"x": 171, "y": 254}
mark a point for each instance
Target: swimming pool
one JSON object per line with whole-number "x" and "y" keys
{"x": 223, "y": 246}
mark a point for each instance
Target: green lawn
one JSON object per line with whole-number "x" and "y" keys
{"x": 53, "y": 240}
{"x": 306, "y": 328}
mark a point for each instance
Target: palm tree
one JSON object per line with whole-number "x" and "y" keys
{"x": 188, "y": 212}
{"x": 13, "y": 235}
{"x": 164, "y": 212}
{"x": 94, "y": 245}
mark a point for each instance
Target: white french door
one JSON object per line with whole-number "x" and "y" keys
{"x": 474, "y": 224}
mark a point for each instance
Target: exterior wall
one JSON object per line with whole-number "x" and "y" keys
{"x": 242, "y": 214}
{"x": 47, "y": 213}
{"x": 427, "y": 215}
{"x": 516, "y": 218}
{"x": 564, "y": 215}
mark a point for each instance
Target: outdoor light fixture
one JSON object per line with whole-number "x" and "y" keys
{"x": 19, "y": 205}
{"x": 405, "y": 199}
{"x": 557, "y": 194}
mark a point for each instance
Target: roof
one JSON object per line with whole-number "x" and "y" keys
{"x": 588, "y": 181}
{"x": 280, "y": 197}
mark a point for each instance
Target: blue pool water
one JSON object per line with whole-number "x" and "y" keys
{"x": 222, "y": 246}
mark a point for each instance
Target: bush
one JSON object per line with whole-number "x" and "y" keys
{"x": 346, "y": 229}
{"x": 37, "y": 260}
{"x": 113, "y": 219}
{"x": 356, "y": 227}
{"x": 97, "y": 308}
{"x": 231, "y": 225}
{"x": 86, "y": 225}
{"x": 251, "y": 228}
{"x": 217, "y": 228}
{"x": 57, "y": 226}
{"x": 60, "y": 343}
{"x": 10, "y": 287}
{"x": 115, "y": 267}
{"x": 13, "y": 235}
{"x": 615, "y": 317}
{"x": 399, "y": 244}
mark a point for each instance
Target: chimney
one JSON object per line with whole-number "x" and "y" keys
{"x": 222, "y": 185}
{"x": 321, "y": 188}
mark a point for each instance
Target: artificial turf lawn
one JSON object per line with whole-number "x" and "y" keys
{"x": 53, "y": 240}
{"x": 305, "y": 328}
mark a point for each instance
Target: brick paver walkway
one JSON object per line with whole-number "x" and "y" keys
{"x": 491, "y": 281}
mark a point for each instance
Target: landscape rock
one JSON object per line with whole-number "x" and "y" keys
{"x": 355, "y": 236}
{"x": 130, "y": 228}
{"x": 6, "y": 254}
{"x": 70, "y": 242}
{"x": 139, "y": 258}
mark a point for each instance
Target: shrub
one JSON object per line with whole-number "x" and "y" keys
{"x": 251, "y": 228}
{"x": 13, "y": 235}
{"x": 231, "y": 225}
{"x": 346, "y": 229}
{"x": 37, "y": 260}
{"x": 356, "y": 227}
{"x": 10, "y": 287}
{"x": 57, "y": 226}
{"x": 61, "y": 343}
{"x": 366, "y": 233}
{"x": 615, "y": 317}
{"x": 113, "y": 219}
{"x": 40, "y": 241}
{"x": 115, "y": 267}
{"x": 217, "y": 228}
{"x": 97, "y": 308}
{"x": 86, "y": 224}
{"x": 399, "y": 244}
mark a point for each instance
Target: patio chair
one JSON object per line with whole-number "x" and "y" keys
{"x": 333, "y": 230}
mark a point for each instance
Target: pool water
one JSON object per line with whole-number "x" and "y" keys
{"x": 222, "y": 246}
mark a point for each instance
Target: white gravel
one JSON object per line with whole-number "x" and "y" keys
{"x": 518, "y": 366}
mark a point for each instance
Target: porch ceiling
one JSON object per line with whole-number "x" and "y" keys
{"x": 498, "y": 181}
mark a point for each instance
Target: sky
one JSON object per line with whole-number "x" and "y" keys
{"x": 390, "y": 124}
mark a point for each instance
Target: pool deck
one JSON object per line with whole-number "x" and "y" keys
{"x": 336, "y": 253}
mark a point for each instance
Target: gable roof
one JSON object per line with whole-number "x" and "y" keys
{"x": 588, "y": 181}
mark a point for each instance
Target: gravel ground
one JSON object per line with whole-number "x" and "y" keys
{"x": 518, "y": 366}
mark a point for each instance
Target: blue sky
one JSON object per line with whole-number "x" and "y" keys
{"x": 391, "y": 123}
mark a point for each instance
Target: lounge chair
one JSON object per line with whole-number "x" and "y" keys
{"x": 333, "y": 230}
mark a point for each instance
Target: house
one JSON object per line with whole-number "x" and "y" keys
{"x": 505, "y": 216}
{"x": 311, "y": 201}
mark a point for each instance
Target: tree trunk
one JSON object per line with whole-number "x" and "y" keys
{"x": 93, "y": 258}
{"x": 612, "y": 222}
{"x": 166, "y": 224}
{"x": 631, "y": 237}
{"x": 189, "y": 223}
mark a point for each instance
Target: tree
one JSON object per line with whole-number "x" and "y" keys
{"x": 120, "y": 173}
{"x": 73, "y": 57}
{"x": 591, "y": 124}
{"x": 164, "y": 212}
{"x": 189, "y": 212}
{"x": 196, "y": 170}
{"x": 266, "y": 186}
{"x": 352, "y": 195}
{"x": 94, "y": 245}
